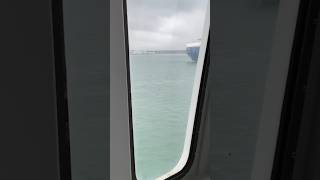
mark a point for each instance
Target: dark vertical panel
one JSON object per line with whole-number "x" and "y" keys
{"x": 108, "y": 91}
{"x": 306, "y": 162}
{"x": 85, "y": 23}
{"x": 308, "y": 154}
{"x": 61, "y": 90}
{"x": 300, "y": 103}
{"x": 28, "y": 126}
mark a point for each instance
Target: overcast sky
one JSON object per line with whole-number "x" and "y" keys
{"x": 164, "y": 24}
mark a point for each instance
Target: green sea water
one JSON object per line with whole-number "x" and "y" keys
{"x": 161, "y": 89}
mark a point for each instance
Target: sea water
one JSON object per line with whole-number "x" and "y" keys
{"x": 161, "y": 89}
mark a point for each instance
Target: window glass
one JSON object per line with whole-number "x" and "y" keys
{"x": 166, "y": 47}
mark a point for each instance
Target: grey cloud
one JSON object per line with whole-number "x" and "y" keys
{"x": 147, "y": 17}
{"x": 167, "y": 6}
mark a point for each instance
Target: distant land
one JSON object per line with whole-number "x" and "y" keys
{"x": 137, "y": 52}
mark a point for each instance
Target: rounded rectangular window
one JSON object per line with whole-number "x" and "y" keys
{"x": 167, "y": 47}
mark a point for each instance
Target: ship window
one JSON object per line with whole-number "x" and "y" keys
{"x": 167, "y": 44}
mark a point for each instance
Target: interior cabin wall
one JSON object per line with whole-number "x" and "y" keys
{"x": 242, "y": 45}
{"x": 86, "y": 48}
{"x": 250, "y": 59}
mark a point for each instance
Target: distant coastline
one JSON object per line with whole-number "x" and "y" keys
{"x": 145, "y": 52}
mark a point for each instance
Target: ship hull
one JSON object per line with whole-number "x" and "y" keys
{"x": 193, "y": 53}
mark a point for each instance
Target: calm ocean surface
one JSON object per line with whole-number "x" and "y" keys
{"x": 161, "y": 93}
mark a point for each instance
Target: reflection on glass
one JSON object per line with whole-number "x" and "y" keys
{"x": 164, "y": 40}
